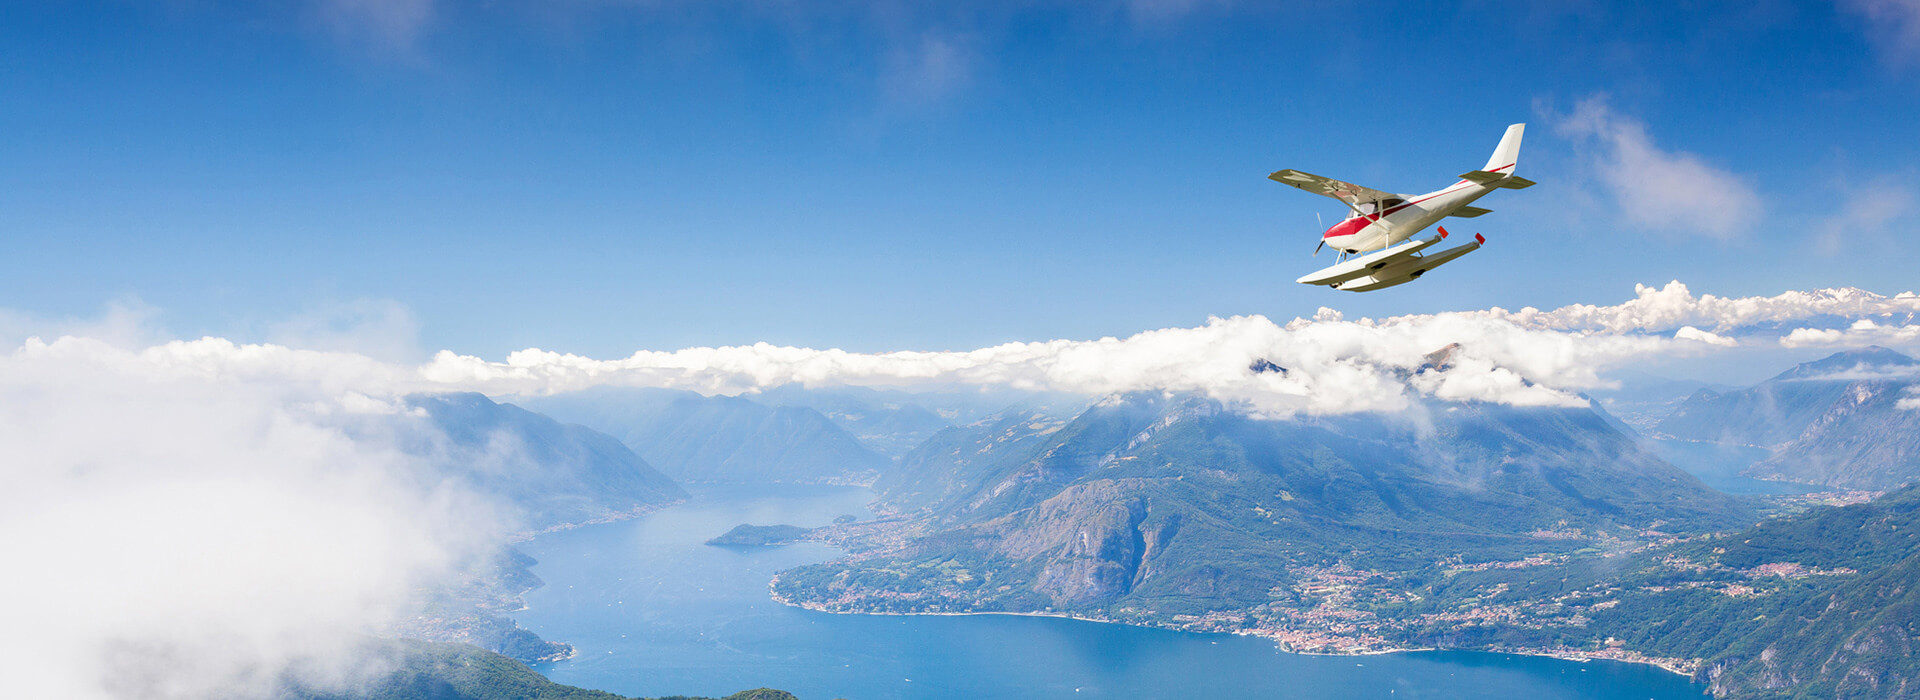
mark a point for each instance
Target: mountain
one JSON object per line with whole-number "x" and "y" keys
{"x": 1834, "y": 422}
{"x": 1854, "y": 636}
{"x": 1157, "y": 505}
{"x": 959, "y": 460}
{"x": 720, "y": 438}
{"x": 888, "y": 422}
{"x": 555, "y": 474}
{"x": 894, "y": 422}
{"x": 438, "y": 671}
{"x": 1642, "y": 400}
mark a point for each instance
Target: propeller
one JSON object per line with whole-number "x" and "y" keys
{"x": 1323, "y": 240}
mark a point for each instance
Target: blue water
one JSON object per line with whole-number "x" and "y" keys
{"x": 1719, "y": 466}
{"x": 653, "y": 611}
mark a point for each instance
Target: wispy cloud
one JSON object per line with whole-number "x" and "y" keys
{"x": 1866, "y": 215}
{"x": 382, "y": 329}
{"x": 1893, "y": 25}
{"x": 928, "y": 70}
{"x": 383, "y": 25}
{"x": 1152, "y": 11}
{"x": 1655, "y": 188}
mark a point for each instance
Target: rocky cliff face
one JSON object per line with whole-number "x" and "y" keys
{"x": 1864, "y": 440}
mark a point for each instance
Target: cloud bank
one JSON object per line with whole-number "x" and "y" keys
{"x": 1524, "y": 357}
{"x": 1674, "y": 307}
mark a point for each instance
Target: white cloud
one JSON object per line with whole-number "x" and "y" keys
{"x": 1333, "y": 365}
{"x": 1655, "y": 188}
{"x": 1529, "y": 356}
{"x": 185, "y": 521}
{"x": 1862, "y": 222}
{"x": 1855, "y": 336}
{"x": 1894, "y": 25}
{"x": 1674, "y": 306}
{"x": 1695, "y": 334}
{"x": 1912, "y": 401}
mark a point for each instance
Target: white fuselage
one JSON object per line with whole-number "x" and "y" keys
{"x": 1400, "y": 220}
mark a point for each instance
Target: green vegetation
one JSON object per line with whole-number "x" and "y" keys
{"x": 760, "y": 535}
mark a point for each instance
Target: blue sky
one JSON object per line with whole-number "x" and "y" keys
{"x": 601, "y": 177}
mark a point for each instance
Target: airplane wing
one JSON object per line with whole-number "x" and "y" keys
{"x": 1347, "y": 192}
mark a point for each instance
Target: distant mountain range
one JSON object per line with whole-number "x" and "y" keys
{"x": 691, "y": 437}
{"x": 1176, "y": 505}
{"x": 1834, "y": 422}
{"x": 891, "y": 423}
{"x": 555, "y": 474}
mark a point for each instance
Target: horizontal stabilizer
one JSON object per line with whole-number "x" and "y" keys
{"x": 1470, "y": 212}
{"x": 1515, "y": 183}
{"x": 1481, "y": 176}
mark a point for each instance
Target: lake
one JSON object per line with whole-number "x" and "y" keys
{"x": 1719, "y": 466}
{"x": 653, "y": 611}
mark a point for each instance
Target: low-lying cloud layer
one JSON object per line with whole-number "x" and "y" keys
{"x": 195, "y": 518}
{"x": 186, "y": 522}
{"x": 1525, "y": 357}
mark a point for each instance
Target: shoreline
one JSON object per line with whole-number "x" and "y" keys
{"x": 1673, "y": 666}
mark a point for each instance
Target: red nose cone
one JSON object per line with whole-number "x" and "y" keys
{"x": 1348, "y": 227}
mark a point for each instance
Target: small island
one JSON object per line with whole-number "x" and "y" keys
{"x": 760, "y": 536}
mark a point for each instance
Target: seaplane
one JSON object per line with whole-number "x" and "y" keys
{"x": 1373, "y": 241}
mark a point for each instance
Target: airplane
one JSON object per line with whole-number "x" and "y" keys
{"x": 1375, "y": 232}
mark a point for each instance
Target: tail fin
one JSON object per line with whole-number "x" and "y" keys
{"x": 1506, "y": 158}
